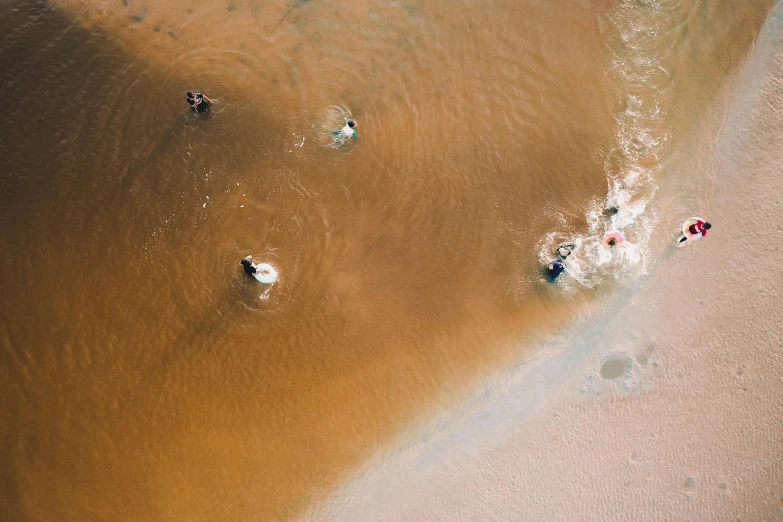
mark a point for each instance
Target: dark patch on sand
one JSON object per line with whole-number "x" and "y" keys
{"x": 614, "y": 368}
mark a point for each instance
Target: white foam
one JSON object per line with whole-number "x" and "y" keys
{"x": 633, "y": 165}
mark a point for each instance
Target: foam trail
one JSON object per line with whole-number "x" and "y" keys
{"x": 641, "y": 33}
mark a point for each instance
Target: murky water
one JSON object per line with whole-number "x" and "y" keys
{"x": 144, "y": 377}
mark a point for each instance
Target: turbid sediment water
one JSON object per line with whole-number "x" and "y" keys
{"x": 144, "y": 377}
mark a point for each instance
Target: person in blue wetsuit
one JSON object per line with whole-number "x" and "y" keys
{"x": 554, "y": 270}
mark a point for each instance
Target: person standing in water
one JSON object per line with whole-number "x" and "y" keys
{"x": 349, "y": 131}
{"x": 697, "y": 229}
{"x": 198, "y": 102}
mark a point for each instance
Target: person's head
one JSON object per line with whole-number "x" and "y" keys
{"x": 351, "y": 124}
{"x": 706, "y": 226}
{"x": 612, "y": 242}
{"x": 245, "y": 262}
{"x": 190, "y": 94}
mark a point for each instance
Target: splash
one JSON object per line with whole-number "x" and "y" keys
{"x": 641, "y": 34}
{"x": 331, "y": 119}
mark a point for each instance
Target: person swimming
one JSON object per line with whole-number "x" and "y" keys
{"x": 556, "y": 267}
{"x": 198, "y": 102}
{"x": 262, "y": 272}
{"x": 613, "y": 238}
{"x": 563, "y": 251}
{"x": 248, "y": 266}
{"x": 554, "y": 270}
{"x": 349, "y": 131}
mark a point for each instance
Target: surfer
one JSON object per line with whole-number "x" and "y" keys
{"x": 694, "y": 228}
{"x": 349, "y": 131}
{"x": 248, "y": 266}
{"x": 198, "y": 102}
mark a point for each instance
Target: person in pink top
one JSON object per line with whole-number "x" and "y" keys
{"x": 696, "y": 229}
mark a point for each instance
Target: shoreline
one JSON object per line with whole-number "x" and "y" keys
{"x": 689, "y": 430}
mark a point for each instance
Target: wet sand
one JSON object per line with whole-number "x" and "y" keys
{"x": 665, "y": 403}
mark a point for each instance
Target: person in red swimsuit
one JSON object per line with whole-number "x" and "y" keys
{"x": 698, "y": 229}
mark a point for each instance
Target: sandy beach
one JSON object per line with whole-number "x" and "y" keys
{"x": 664, "y": 403}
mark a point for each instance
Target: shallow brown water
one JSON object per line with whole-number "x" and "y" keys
{"x": 143, "y": 376}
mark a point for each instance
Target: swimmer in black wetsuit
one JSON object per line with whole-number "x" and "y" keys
{"x": 198, "y": 102}
{"x": 248, "y": 266}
